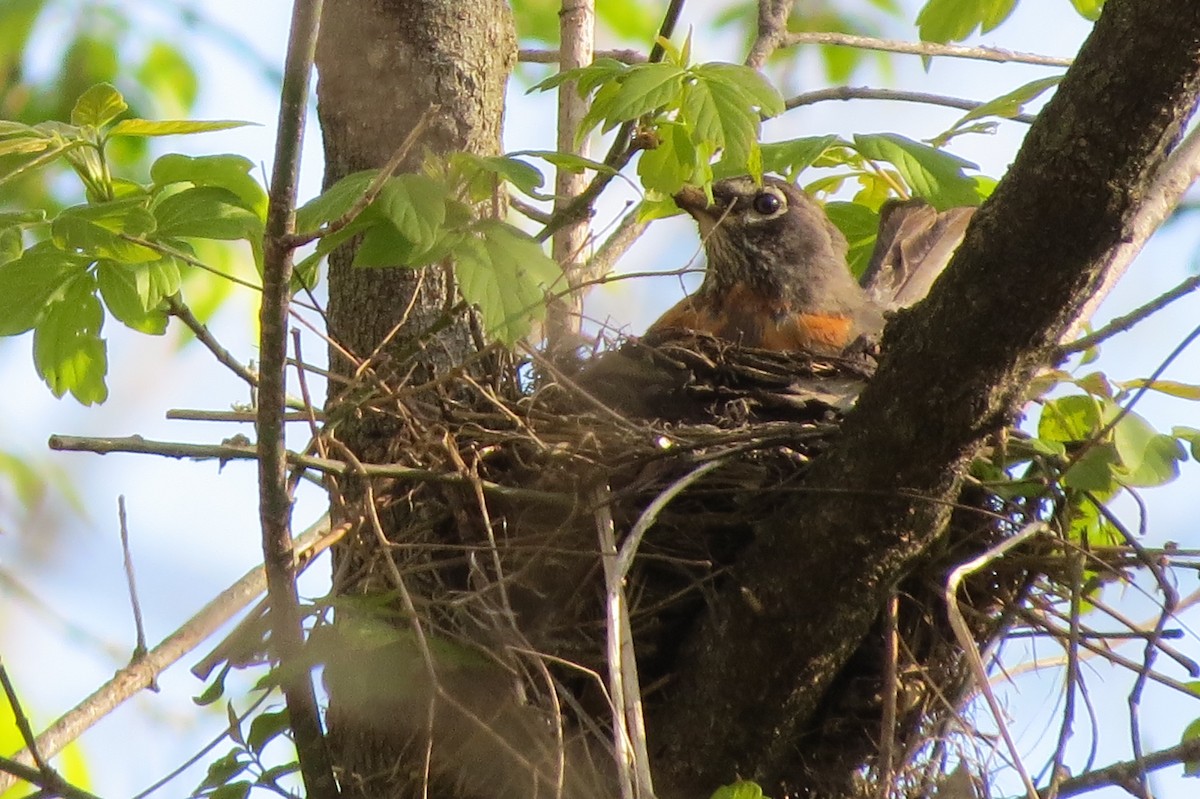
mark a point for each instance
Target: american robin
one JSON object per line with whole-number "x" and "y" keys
{"x": 777, "y": 277}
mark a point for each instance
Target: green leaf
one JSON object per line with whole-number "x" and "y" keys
{"x": 505, "y": 273}
{"x": 383, "y": 246}
{"x": 757, "y": 90}
{"x": 644, "y": 88}
{"x": 334, "y": 201}
{"x": 232, "y": 790}
{"x": 67, "y": 349}
{"x": 793, "y": 156}
{"x": 133, "y": 292}
{"x": 215, "y": 690}
{"x": 934, "y": 175}
{"x": 230, "y": 172}
{"x": 1192, "y": 436}
{"x": 739, "y": 790}
{"x": 208, "y": 212}
{"x": 721, "y": 117}
{"x": 1068, "y": 419}
{"x": 265, "y": 727}
{"x": 173, "y": 127}
{"x": 98, "y": 106}
{"x": 860, "y": 225}
{"x": 1089, "y": 9}
{"x": 25, "y": 144}
{"x": 96, "y": 230}
{"x": 28, "y": 284}
{"x": 671, "y": 164}
{"x": 416, "y": 206}
{"x": 954, "y": 20}
{"x": 600, "y": 71}
{"x": 12, "y": 243}
{"x": 221, "y": 770}
{"x": 1094, "y": 470}
{"x": 566, "y": 161}
{"x": 1013, "y": 103}
{"x": 1187, "y": 391}
{"x": 1147, "y": 458}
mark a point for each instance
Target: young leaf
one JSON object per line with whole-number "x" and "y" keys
{"x": 98, "y": 106}
{"x": 133, "y": 292}
{"x": 1089, "y": 9}
{"x": 793, "y": 156}
{"x": 671, "y": 164}
{"x": 749, "y": 82}
{"x": 29, "y": 283}
{"x": 934, "y": 175}
{"x": 954, "y": 20}
{"x": 207, "y": 212}
{"x": 67, "y": 349}
{"x": 416, "y": 206}
{"x": 265, "y": 727}
{"x": 860, "y": 225}
{"x": 172, "y": 127}
{"x": 644, "y": 88}
{"x": 334, "y": 202}
{"x": 230, "y": 172}
{"x": 96, "y": 230}
{"x": 504, "y": 272}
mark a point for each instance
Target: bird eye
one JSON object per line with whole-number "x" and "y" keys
{"x": 767, "y": 203}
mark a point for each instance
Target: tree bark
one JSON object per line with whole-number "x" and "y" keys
{"x": 953, "y": 374}
{"x": 383, "y": 65}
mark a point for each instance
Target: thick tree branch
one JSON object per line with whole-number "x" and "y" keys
{"x": 953, "y": 372}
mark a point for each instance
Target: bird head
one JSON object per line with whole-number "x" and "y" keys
{"x": 772, "y": 237}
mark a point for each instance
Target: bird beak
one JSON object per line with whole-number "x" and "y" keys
{"x": 693, "y": 200}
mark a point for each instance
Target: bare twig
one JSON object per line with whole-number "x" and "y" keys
{"x": 898, "y": 95}
{"x": 294, "y": 240}
{"x": 196, "y": 415}
{"x": 184, "y": 314}
{"x": 1122, "y": 323}
{"x": 628, "y": 230}
{"x": 924, "y": 49}
{"x": 1124, "y": 773}
{"x": 233, "y": 451}
{"x": 531, "y": 56}
{"x": 139, "y": 649}
{"x": 136, "y": 676}
{"x": 962, "y": 633}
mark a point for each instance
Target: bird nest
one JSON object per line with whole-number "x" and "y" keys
{"x": 687, "y": 445}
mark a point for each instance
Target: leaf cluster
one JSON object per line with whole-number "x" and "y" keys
{"x": 122, "y": 250}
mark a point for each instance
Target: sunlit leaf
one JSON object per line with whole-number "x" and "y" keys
{"x": 505, "y": 273}
{"x": 207, "y": 212}
{"x": 934, "y": 175}
{"x": 172, "y": 127}
{"x": 98, "y": 106}
{"x": 790, "y": 157}
{"x": 29, "y": 283}
{"x": 1089, "y": 9}
{"x": 860, "y": 225}
{"x": 230, "y": 172}
{"x": 68, "y": 352}
{"x": 133, "y": 292}
{"x": 96, "y": 230}
{"x": 955, "y": 20}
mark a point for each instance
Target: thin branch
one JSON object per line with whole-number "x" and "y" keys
{"x": 898, "y": 95}
{"x": 628, "y": 231}
{"x": 137, "y": 676}
{"x": 623, "y": 147}
{"x": 294, "y": 240}
{"x": 772, "y": 30}
{"x": 962, "y": 633}
{"x": 1174, "y": 178}
{"x": 531, "y": 56}
{"x": 139, "y": 649}
{"x": 924, "y": 49}
{"x": 1124, "y": 773}
{"x": 197, "y": 415}
{"x": 275, "y": 500}
{"x": 237, "y": 452}
{"x": 54, "y": 787}
{"x": 177, "y": 308}
{"x": 1122, "y": 323}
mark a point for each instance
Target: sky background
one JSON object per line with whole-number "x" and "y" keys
{"x": 194, "y": 526}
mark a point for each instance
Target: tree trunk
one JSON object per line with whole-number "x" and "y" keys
{"x": 383, "y": 65}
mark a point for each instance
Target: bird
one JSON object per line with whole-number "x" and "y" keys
{"x": 777, "y": 276}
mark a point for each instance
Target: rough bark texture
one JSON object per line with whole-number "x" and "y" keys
{"x": 383, "y": 65}
{"x": 757, "y": 670}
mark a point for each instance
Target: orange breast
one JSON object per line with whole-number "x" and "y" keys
{"x": 746, "y": 318}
